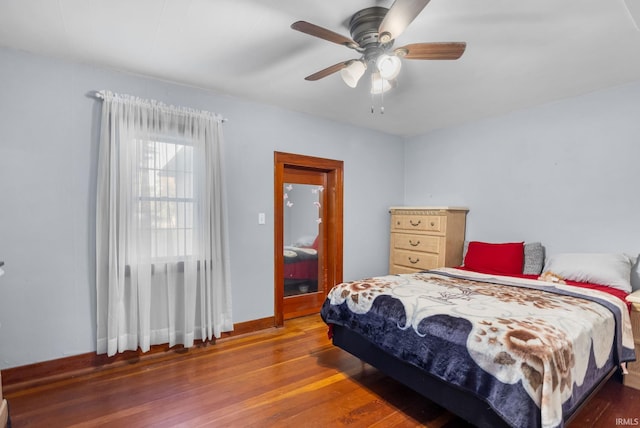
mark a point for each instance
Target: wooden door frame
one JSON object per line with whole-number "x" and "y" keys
{"x": 333, "y": 222}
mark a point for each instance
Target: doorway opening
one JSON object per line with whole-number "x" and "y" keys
{"x": 308, "y": 210}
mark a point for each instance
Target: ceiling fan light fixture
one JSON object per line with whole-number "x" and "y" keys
{"x": 352, "y": 73}
{"x": 388, "y": 66}
{"x": 380, "y": 85}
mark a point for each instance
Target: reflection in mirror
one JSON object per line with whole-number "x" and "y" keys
{"x": 302, "y": 224}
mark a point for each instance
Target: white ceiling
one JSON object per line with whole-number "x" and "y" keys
{"x": 519, "y": 53}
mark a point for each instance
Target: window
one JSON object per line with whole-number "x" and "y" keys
{"x": 166, "y": 198}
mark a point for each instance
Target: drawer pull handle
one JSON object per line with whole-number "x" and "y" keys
{"x": 415, "y": 224}
{"x": 414, "y": 244}
{"x": 413, "y": 261}
{"x": 432, "y": 224}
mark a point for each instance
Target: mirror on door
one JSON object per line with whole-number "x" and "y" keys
{"x": 302, "y": 225}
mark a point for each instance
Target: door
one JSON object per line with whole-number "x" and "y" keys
{"x": 308, "y": 233}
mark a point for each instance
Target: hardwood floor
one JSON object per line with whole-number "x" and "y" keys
{"x": 286, "y": 377}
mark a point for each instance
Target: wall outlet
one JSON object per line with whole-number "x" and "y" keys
{"x": 262, "y": 218}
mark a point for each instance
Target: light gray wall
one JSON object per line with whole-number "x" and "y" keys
{"x": 48, "y": 156}
{"x": 565, "y": 173}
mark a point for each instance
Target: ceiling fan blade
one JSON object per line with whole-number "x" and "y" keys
{"x": 401, "y": 14}
{"x": 323, "y": 33}
{"x": 327, "y": 71}
{"x": 446, "y": 50}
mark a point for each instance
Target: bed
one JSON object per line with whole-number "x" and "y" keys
{"x": 490, "y": 343}
{"x": 301, "y": 268}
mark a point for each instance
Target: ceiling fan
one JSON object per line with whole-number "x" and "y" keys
{"x": 373, "y": 31}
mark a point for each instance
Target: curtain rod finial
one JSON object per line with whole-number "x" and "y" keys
{"x": 95, "y": 94}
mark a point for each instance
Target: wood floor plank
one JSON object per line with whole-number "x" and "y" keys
{"x": 285, "y": 377}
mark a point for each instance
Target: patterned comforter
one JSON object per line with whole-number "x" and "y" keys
{"x": 531, "y": 349}
{"x": 298, "y": 254}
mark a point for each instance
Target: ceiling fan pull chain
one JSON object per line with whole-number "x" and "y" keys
{"x": 374, "y": 92}
{"x": 372, "y": 103}
{"x": 373, "y": 108}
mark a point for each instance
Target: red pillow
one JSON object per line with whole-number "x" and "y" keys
{"x": 504, "y": 259}
{"x": 315, "y": 243}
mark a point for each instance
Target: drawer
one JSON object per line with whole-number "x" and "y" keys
{"x": 418, "y": 222}
{"x": 426, "y": 243}
{"x": 415, "y": 260}
{"x": 635, "y": 322}
{"x": 395, "y": 269}
{"x": 632, "y": 378}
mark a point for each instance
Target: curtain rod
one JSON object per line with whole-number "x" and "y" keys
{"x": 98, "y": 94}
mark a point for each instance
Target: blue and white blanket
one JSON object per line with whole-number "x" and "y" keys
{"x": 531, "y": 349}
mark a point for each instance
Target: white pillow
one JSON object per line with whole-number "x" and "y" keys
{"x": 613, "y": 270}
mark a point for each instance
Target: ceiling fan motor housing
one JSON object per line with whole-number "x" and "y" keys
{"x": 364, "y": 25}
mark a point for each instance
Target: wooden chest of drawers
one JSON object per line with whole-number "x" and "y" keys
{"x": 426, "y": 238}
{"x": 632, "y": 379}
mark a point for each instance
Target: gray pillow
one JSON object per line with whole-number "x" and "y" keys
{"x": 533, "y": 257}
{"x": 635, "y": 274}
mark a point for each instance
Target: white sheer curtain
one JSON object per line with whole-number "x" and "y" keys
{"x": 162, "y": 271}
